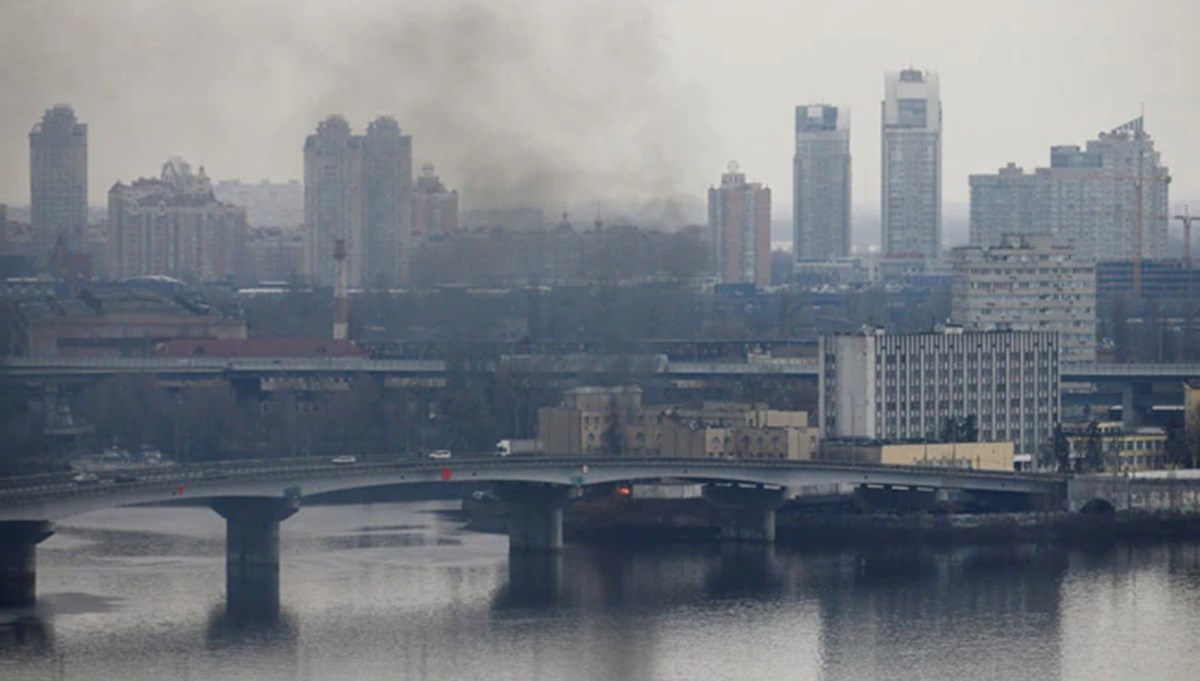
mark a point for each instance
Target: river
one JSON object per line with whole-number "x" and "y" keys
{"x": 400, "y": 591}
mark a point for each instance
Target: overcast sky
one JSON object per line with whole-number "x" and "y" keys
{"x": 571, "y": 101}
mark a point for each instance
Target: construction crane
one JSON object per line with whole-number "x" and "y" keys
{"x": 1137, "y": 128}
{"x": 1186, "y": 219}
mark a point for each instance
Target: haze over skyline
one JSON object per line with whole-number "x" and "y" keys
{"x": 569, "y": 103}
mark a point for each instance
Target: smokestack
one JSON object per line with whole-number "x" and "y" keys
{"x": 340, "y": 313}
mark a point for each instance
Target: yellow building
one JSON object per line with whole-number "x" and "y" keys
{"x": 1191, "y": 420}
{"x": 612, "y": 421}
{"x": 1137, "y": 450}
{"x": 983, "y": 456}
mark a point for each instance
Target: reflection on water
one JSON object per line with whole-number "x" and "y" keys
{"x": 400, "y": 591}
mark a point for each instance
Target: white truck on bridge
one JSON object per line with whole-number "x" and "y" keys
{"x": 509, "y": 447}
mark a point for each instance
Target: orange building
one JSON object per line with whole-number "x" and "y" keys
{"x": 739, "y": 224}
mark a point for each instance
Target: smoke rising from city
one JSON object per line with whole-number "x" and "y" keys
{"x": 516, "y": 102}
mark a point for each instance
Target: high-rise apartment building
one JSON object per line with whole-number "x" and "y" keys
{"x": 1002, "y": 204}
{"x": 333, "y": 205}
{"x": 358, "y": 188}
{"x": 907, "y": 387}
{"x": 739, "y": 224}
{"x": 174, "y": 226}
{"x": 435, "y": 208}
{"x": 1088, "y": 198}
{"x": 912, "y": 164}
{"x": 387, "y": 193}
{"x": 821, "y": 183}
{"x": 1025, "y": 283}
{"x": 58, "y": 180}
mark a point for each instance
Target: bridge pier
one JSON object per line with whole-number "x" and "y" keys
{"x": 18, "y": 561}
{"x": 746, "y": 514}
{"x": 535, "y": 515}
{"x": 252, "y": 554}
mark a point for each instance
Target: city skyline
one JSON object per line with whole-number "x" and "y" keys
{"x": 713, "y": 113}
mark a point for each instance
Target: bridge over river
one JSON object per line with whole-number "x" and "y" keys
{"x": 255, "y": 496}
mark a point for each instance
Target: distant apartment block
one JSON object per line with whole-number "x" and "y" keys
{"x": 912, "y": 164}
{"x": 58, "y": 180}
{"x": 267, "y": 204}
{"x": 1002, "y": 204}
{"x": 612, "y": 420}
{"x": 274, "y": 254}
{"x": 821, "y": 183}
{"x": 358, "y": 188}
{"x": 174, "y": 226}
{"x": 1025, "y": 283}
{"x": 435, "y": 208}
{"x": 739, "y": 225}
{"x": 876, "y": 386}
{"x": 1088, "y": 198}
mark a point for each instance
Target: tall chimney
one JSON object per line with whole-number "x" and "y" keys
{"x": 340, "y": 313}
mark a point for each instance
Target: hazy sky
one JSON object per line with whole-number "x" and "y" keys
{"x": 570, "y": 101}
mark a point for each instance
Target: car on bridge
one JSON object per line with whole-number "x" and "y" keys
{"x": 344, "y": 459}
{"x": 440, "y": 454}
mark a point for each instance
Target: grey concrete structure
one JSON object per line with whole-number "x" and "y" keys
{"x": 746, "y": 514}
{"x": 252, "y": 551}
{"x": 904, "y": 387}
{"x": 1026, "y": 283}
{"x": 821, "y": 183}
{"x": 912, "y": 164}
{"x": 18, "y": 561}
{"x": 58, "y": 180}
{"x": 1165, "y": 491}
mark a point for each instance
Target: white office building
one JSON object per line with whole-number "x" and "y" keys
{"x": 912, "y": 164}
{"x": 1026, "y": 283}
{"x": 905, "y": 387}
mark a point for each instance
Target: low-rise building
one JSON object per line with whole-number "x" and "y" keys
{"x": 1108, "y": 443}
{"x": 118, "y": 321}
{"x": 979, "y": 456}
{"x": 613, "y": 421}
